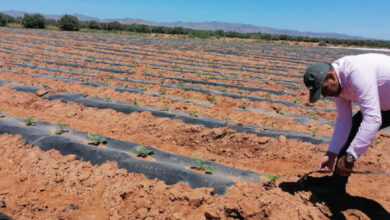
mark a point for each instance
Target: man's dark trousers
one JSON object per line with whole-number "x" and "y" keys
{"x": 341, "y": 181}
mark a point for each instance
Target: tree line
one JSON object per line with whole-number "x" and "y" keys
{"x": 72, "y": 23}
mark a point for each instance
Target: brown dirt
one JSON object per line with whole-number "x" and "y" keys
{"x": 36, "y": 184}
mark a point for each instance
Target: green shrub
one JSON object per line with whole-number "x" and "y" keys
{"x": 34, "y": 21}
{"x": 69, "y": 23}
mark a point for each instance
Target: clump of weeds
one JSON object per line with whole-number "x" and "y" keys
{"x": 143, "y": 152}
{"x": 30, "y": 121}
{"x": 61, "y": 128}
{"x": 201, "y": 164}
{"x": 96, "y": 139}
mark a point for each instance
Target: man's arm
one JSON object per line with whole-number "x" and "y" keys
{"x": 342, "y": 126}
{"x": 365, "y": 84}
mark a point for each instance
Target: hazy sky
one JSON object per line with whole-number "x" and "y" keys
{"x": 366, "y": 18}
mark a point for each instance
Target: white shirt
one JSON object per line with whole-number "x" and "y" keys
{"x": 364, "y": 79}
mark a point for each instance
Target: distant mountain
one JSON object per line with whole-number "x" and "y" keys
{"x": 243, "y": 28}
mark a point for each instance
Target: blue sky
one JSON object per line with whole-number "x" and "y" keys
{"x": 354, "y": 17}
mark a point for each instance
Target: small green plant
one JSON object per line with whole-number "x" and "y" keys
{"x": 30, "y": 121}
{"x": 202, "y": 164}
{"x": 212, "y": 99}
{"x": 163, "y": 91}
{"x": 44, "y": 86}
{"x": 313, "y": 131}
{"x": 143, "y": 152}
{"x": 125, "y": 85}
{"x": 162, "y": 81}
{"x": 61, "y": 128}
{"x": 314, "y": 114}
{"x": 96, "y": 139}
{"x": 1, "y": 111}
{"x": 135, "y": 103}
{"x": 194, "y": 114}
{"x": 279, "y": 109}
{"x": 84, "y": 94}
{"x": 297, "y": 101}
{"x": 142, "y": 87}
{"x": 111, "y": 76}
{"x": 243, "y": 104}
{"x": 108, "y": 99}
{"x": 126, "y": 77}
{"x": 244, "y": 92}
{"x": 325, "y": 103}
{"x": 222, "y": 89}
{"x": 271, "y": 179}
{"x": 227, "y": 118}
{"x": 165, "y": 108}
{"x": 187, "y": 96}
{"x": 375, "y": 142}
{"x": 181, "y": 83}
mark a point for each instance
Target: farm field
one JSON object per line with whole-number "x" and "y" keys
{"x": 239, "y": 105}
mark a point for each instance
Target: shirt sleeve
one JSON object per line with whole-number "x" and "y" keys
{"x": 365, "y": 84}
{"x": 342, "y": 126}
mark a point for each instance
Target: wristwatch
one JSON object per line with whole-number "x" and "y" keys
{"x": 349, "y": 158}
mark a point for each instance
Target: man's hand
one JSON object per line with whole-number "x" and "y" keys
{"x": 343, "y": 167}
{"x": 327, "y": 161}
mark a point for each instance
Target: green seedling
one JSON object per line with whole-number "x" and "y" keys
{"x": 313, "y": 131}
{"x": 162, "y": 81}
{"x": 142, "y": 87}
{"x": 314, "y": 114}
{"x": 325, "y": 103}
{"x": 30, "y": 121}
{"x": 96, "y": 138}
{"x": 279, "y": 109}
{"x": 187, "y": 96}
{"x": 181, "y": 83}
{"x": 143, "y": 152}
{"x": 126, "y": 77}
{"x": 202, "y": 164}
{"x": 194, "y": 114}
{"x": 243, "y": 104}
{"x": 200, "y": 87}
{"x": 271, "y": 178}
{"x": 44, "y": 86}
{"x": 86, "y": 80}
{"x": 297, "y": 101}
{"x": 163, "y": 91}
{"x": 125, "y": 86}
{"x": 1, "y": 111}
{"x": 85, "y": 94}
{"x": 227, "y": 118}
{"x": 212, "y": 99}
{"x": 135, "y": 103}
{"x": 111, "y": 76}
{"x": 222, "y": 89}
{"x": 61, "y": 128}
{"x": 165, "y": 108}
{"x": 108, "y": 99}
{"x": 244, "y": 92}
{"x": 375, "y": 142}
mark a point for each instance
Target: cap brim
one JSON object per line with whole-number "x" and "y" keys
{"x": 315, "y": 94}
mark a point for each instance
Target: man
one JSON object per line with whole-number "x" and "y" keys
{"x": 365, "y": 80}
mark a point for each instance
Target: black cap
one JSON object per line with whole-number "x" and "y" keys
{"x": 314, "y": 76}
